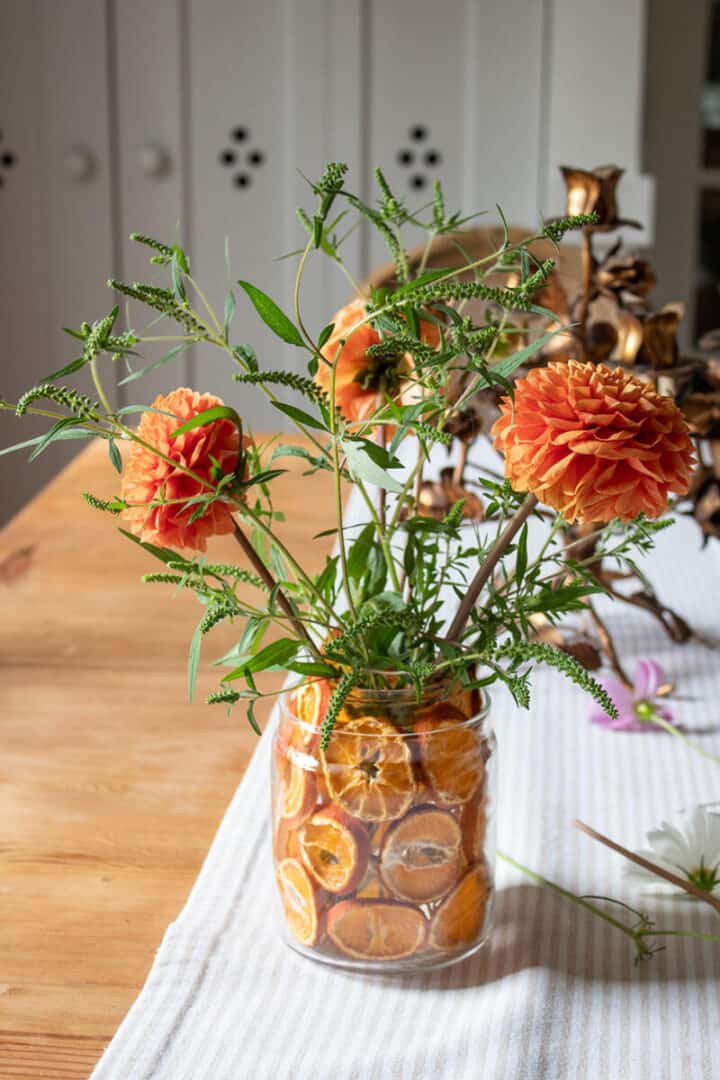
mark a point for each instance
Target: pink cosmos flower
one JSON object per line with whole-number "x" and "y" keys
{"x": 637, "y": 708}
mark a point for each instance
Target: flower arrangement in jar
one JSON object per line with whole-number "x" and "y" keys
{"x": 383, "y": 758}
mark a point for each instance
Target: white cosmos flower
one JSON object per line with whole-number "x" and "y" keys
{"x": 692, "y": 852}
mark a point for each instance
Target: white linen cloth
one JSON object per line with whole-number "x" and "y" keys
{"x": 555, "y": 995}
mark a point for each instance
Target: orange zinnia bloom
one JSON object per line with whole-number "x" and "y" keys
{"x": 362, "y": 382}
{"x": 148, "y": 477}
{"x": 593, "y": 443}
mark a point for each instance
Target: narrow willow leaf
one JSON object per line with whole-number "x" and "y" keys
{"x": 163, "y": 554}
{"x": 115, "y": 456}
{"x": 54, "y": 433}
{"x": 229, "y": 311}
{"x": 275, "y": 656}
{"x": 193, "y": 661}
{"x": 218, "y": 412}
{"x": 73, "y": 366}
{"x": 272, "y": 315}
{"x": 70, "y": 433}
{"x": 506, "y": 367}
{"x": 521, "y": 555}
{"x": 299, "y": 415}
{"x": 164, "y": 359}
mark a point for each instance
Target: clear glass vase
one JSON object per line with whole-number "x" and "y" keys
{"x": 383, "y": 844}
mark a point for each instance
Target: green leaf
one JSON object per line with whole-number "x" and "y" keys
{"x": 218, "y": 412}
{"x": 164, "y": 359}
{"x": 275, "y": 656}
{"x": 272, "y": 315}
{"x": 312, "y": 667}
{"x": 368, "y": 461}
{"x": 70, "y": 433}
{"x": 229, "y": 311}
{"x": 299, "y": 415}
{"x": 163, "y": 554}
{"x": 54, "y": 433}
{"x": 521, "y": 555}
{"x": 358, "y": 554}
{"x": 193, "y": 661}
{"x": 325, "y": 334}
{"x": 507, "y": 366}
{"x": 73, "y": 366}
{"x": 114, "y": 453}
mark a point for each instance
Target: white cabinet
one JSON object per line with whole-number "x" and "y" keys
{"x": 55, "y": 204}
{"x": 197, "y": 118}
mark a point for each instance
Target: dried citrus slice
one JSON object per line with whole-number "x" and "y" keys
{"x": 335, "y": 849}
{"x": 463, "y": 699}
{"x": 473, "y": 822}
{"x": 298, "y": 792}
{"x": 376, "y": 929}
{"x": 300, "y": 901}
{"x": 451, "y": 755}
{"x": 368, "y": 768}
{"x": 308, "y": 705}
{"x": 422, "y": 855}
{"x": 286, "y": 840}
{"x": 458, "y": 921}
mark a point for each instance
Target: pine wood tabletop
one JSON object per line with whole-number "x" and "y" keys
{"x": 111, "y": 784}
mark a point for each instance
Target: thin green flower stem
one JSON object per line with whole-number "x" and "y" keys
{"x": 8, "y": 406}
{"x": 672, "y": 730}
{"x": 99, "y": 387}
{"x": 682, "y": 933}
{"x": 580, "y": 900}
{"x": 381, "y": 534}
{"x": 173, "y": 337}
{"x": 207, "y": 305}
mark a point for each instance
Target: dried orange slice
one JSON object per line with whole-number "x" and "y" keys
{"x": 376, "y": 929}
{"x": 422, "y": 855}
{"x": 335, "y": 849}
{"x": 300, "y": 901}
{"x": 286, "y": 840}
{"x": 473, "y": 822}
{"x": 368, "y": 768}
{"x": 451, "y": 755}
{"x": 298, "y": 792}
{"x": 308, "y": 705}
{"x": 463, "y": 699}
{"x": 458, "y": 921}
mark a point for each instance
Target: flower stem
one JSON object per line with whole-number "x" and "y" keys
{"x": 681, "y": 883}
{"x": 262, "y": 571}
{"x": 492, "y": 558}
{"x": 672, "y": 730}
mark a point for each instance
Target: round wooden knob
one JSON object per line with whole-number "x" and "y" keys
{"x": 79, "y": 162}
{"x": 154, "y": 160}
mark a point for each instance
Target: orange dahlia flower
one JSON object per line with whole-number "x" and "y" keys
{"x": 593, "y": 443}
{"x": 148, "y": 477}
{"x": 363, "y": 382}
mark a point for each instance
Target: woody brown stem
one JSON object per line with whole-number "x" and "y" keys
{"x": 271, "y": 584}
{"x": 493, "y": 557}
{"x": 587, "y": 269}
{"x": 660, "y": 871}
{"x": 608, "y": 646}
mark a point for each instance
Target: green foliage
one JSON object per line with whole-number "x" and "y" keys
{"x": 374, "y": 612}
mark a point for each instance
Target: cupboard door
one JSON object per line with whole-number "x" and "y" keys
{"x": 453, "y": 92}
{"x": 273, "y": 91}
{"x": 55, "y": 205}
{"x": 151, "y": 191}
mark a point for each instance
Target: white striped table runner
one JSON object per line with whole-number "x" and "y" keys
{"x": 555, "y": 996}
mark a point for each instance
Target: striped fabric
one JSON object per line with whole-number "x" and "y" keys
{"x": 556, "y": 994}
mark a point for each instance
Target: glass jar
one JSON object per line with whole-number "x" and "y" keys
{"x": 383, "y": 844}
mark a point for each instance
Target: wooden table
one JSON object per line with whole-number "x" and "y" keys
{"x": 111, "y": 784}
